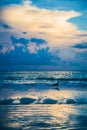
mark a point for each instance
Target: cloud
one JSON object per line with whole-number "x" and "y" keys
{"x": 67, "y": 54}
{"x": 6, "y": 49}
{"x": 25, "y": 41}
{"x": 81, "y": 45}
{"x": 19, "y": 40}
{"x": 38, "y": 41}
{"x": 51, "y": 25}
{"x": 5, "y": 37}
{"x": 35, "y": 29}
{"x": 24, "y": 32}
{"x": 81, "y": 59}
{"x": 5, "y": 26}
{"x": 33, "y": 44}
{"x": 82, "y": 35}
{"x": 33, "y": 55}
{"x": 20, "y": 57}
{"x": 0, "y": 47}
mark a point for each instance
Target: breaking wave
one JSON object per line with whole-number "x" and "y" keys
{"x": 27, "y": 100}
{"x": 62, "y": 79}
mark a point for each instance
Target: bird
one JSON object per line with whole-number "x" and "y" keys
{"x": 56, "y": 86}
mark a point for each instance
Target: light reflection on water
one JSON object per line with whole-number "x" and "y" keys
{"x": 43, "y": 117}
{"x": 21, "y": 87}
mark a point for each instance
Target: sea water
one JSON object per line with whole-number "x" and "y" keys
{"x": 48, "y": 100}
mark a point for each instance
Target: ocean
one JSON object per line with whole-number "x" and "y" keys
{"x": 43, "y": 100}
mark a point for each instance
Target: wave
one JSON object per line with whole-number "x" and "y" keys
{"x": 27, "y": 101}
{"x": 46, "y": 78}
{"x": 58, "y": 86}
{"x": 62, "y": 79}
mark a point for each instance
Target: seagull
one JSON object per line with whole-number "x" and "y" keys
{"x": 56, "y": 86}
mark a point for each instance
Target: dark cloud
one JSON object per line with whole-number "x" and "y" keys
{"x": 81, "y": 45}
{"x": 37, "y": 40}
{"x": 24, "y": 32}
{"x": 5, "y": 26}
{"x": 1, "y": 47}
{"x": 46, "y": 26}
{"x": 81, "y": 59}
{"x": 20, "y": 57}
{"x": 45, "y": 57}
{"x": 24, "y": 60}
{"x": 23, "y": 41}
{"x": 82, "y": 35}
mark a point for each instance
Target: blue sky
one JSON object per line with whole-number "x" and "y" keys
{"x": 43, "y": 35}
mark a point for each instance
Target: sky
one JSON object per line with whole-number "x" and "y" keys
{"x": 43, "y": 34}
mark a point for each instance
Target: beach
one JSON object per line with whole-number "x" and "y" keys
{"x": 45, "y": 100}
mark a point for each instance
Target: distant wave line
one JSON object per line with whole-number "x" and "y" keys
{"x": 62, "y": 79}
